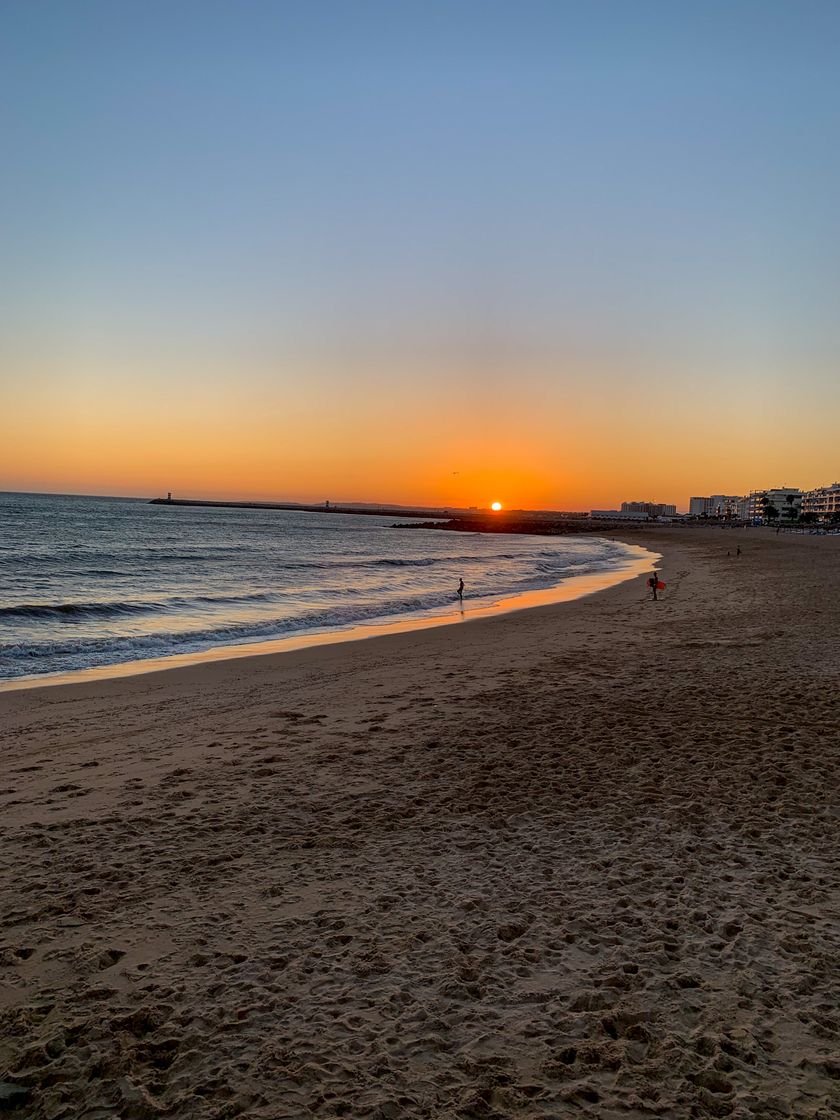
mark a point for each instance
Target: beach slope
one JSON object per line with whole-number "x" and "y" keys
{"x": 579, "y": 860}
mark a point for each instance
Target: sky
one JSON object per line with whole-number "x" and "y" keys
{"x": 557, "y": 254}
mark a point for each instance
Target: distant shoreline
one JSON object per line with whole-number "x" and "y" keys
{"x": 548, "y": 523}
{"x": 548, "y": 526}
{"x": 539, "y": 522}
{"x": 297, "y": 507}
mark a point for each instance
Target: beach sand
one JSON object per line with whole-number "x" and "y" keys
{"x": 578, "y": 860}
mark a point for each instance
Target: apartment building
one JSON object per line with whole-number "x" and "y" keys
{"x": 617, "y": 515}
{"x": 824, "y": 502}
{"x": 651, "y": 509}
{"x": 715, "y": 505}
{"x": 754, "y": 505}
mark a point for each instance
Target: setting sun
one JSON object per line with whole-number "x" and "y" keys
{"x": 496, "y": 506}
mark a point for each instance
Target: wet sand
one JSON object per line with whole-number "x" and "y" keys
{"x": 579, "y": 860}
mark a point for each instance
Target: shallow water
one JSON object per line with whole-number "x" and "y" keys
{"x": 88, "y": 582}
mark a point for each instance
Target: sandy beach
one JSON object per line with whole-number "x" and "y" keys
{"x": 578, "y": 860}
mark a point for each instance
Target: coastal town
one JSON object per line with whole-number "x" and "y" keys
{"x": 776, "y": 505}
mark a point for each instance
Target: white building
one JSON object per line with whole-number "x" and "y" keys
{"x": 715, "y": 505}
{"x": 651, "y": 509}
{"x": 824, "y": 502}
{"x": 617, "y": 515}
{"x": 742, "y": 509}
{"x": 786, "y": 500}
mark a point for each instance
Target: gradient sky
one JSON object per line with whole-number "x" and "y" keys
{"x": 574, "y": 252}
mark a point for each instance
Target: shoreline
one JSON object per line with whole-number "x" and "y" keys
{"x": 297, "y": 507}
{"x": 577, "y": 859}
{"x": 568, "y": 590}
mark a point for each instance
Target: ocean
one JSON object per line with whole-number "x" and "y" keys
{"x": 89, "y": 582}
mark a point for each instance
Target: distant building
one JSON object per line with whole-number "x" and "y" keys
{"x": 715, "y": 505}
{"x": 650, "y": 509}
{"x": 824, "y": 502}
{"x": 743, "y": 509}
{"x": 786, "y": 500}
{"x": 618, "y": 515}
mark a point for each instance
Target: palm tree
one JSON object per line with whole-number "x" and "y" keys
{"x": 790, "y": 512}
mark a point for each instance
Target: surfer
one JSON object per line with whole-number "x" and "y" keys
{"x": 655, "y": 584}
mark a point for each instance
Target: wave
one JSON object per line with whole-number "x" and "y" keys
{"x": 122, "y": 609}
{"x": 117, "y": 609}
{"x": 106, "y": 649}
{"x": 72, "y": 610}
{"x": 101, "y": 590}
{"x": 328, "y": 564}
{"x": 129, "y": 559}
{"x": 137, "y": 556}
{"x": 66, "y": 653}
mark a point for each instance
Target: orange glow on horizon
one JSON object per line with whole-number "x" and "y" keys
{"x": 79, "y": 430}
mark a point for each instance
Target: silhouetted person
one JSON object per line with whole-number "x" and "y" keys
{"x": 738, "y": 551}
{"x": 461, "y": 591}
{"x": 652, "y": 584}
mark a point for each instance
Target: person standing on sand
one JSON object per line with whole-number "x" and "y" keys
{"x": 461, "y": 590}
{"x": 652, "y": 582}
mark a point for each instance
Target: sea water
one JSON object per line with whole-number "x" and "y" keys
{"x": 88, "y": 582}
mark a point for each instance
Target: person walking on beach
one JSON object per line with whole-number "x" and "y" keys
{"x": 461, "y": 590}
{"x": 738, "y": 551}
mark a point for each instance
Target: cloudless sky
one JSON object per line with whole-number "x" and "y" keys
{"x": 574, "y": 252}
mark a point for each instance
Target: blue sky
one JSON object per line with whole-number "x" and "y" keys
{"x": 514, "y": 197}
